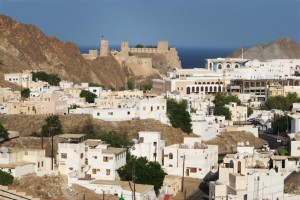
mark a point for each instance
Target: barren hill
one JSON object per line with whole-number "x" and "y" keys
{"x": 25, "y": 47}
{"x": 26, "y": 124}
{"x": 284, "y": 48}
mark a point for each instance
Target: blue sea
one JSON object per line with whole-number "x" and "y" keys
{"x": 190, "y": 56}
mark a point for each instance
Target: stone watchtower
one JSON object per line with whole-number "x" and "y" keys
{"x": 124, "y": 47}
{"x": 104, "y": 48}
{"x": 162, "y": 46}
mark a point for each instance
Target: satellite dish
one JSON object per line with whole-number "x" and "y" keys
{"x": 4, "y": 150}
{"x": 242, "y": 144}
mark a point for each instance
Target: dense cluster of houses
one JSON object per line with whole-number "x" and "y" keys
{"x": 249, "y": 173}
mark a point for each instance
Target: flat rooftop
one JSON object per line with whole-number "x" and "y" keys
{"x": 140, "y": 188}
{"x": 75, "y": 136}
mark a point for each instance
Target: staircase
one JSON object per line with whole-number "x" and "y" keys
{"x": 6, "y": 194}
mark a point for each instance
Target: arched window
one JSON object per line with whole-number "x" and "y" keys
{"x": 208, "y": 83}
{"x": 170, "y": 156}
{"x": 220, "y": 88}
{"x": 197, "y": 89}
{"x": 203, "y": 83}
{"x": 219, "y": 66}
{"x": 239, "y": 167}
{"x": 236, "y": 66}
{"x": 228, "y": 66}
{"x": 210, "y": 88}
{"x": 215, "y": 89}
{"x": 201, "y": 89}
{"x": 206, "y": 89}
{"x": 170, "y": 165}
{"x": 188, "y": 90}
{"x": 210, "y": 66}
{"x": 195, "y": 83}
{"x": 199, "y": 83}
{"x": 231, "y": 164}
{"x": 193, "y": 89}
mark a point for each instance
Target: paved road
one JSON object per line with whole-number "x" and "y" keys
{"x": 272, "y": 140}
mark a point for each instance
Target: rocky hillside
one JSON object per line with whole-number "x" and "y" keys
{"x": 284, "y": 48}
{"x": 26, "y": 124}
{"x": 25, "y": 47}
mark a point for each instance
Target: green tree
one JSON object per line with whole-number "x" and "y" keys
{"x": 178, "y": 116}
{"x": 89, "y": 129}
{"x": 25, "y": 93}
{"x": 220, "y": 101}
{"x": 3, "y": 130}
{"x": 221, "y": 110}
{"x": 281, "y": 124}
{"x": 115, "y": 139}
{"x": 276, "y": 102}
{"x": 52, "y": 126}
{"x": 130, "y": 85}
{"x": 145, "y": 172}
{"x": 95, "y": 85}
{"x": 52, "y": 79}
{"x": 292, "y": 97}
{"x": 6, "y": 178}
{"x": 89, "y": 96}
{"x": 249, "y": 111}
{"x": 139, "y": 46}
{"x": 282, "y": 151}
{"x": 148, "y": 87}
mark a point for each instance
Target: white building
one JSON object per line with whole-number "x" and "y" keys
{"x": 265, "y": 185}
{"x": 21, "y": 79}
{"x": 89, "y": 159}
{"x": 294, "y": 144}
{"x": 150, "y": 146}
{"x": 198, "y": 160}
{"x": 206, "y": 126}
{"x": 19, "y": 162}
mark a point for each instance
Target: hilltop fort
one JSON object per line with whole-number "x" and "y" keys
{"x": 141, "y": 61}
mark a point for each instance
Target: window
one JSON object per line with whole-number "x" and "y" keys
{"x": 155, "y": 144}
{"x": 128, "y": 113}
{"x": 193, "y": 170}
{"x": 95, "y": 157}
{"x": 144, "y": 108}
{"x": 42, "y": 163}
{"x": 151, "y": 108}
{"x": 110, "y": 113}
{"x": 154, "y": 155}
{"x": 219, "y": 66}
{"x": 107, "y": 172}
{"x": 63, "y": 155}
{"x": 141, "y": 139}
{"x": 98, "y": 114}
{"x": 105, "y": 159}
{"x": 170, "y": 156}
{"x": 38, "y": 164}
{"x": 81, "y": 155}
{"x": 94, "y": 171}
{"x": 157, "y": 107}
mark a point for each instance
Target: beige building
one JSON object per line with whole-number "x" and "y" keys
{"x": 21, "y": 79}
{"x": 47, "y": 103}
{"x": 7, "y": 94}
{"x": 238, "y": 113}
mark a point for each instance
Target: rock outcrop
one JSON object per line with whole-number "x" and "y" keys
{"x": 25, "y": 47}
{"x": 284, "y": 48}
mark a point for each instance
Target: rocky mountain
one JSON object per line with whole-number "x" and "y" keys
{"x": 284, "y": 48}
{"x": 25, "y": 47}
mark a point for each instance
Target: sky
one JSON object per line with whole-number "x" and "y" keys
{"x": 181, "y": 22}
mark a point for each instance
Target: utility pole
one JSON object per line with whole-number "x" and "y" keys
{"x": 182, "y": 180}
{"x": 133, "y": 180}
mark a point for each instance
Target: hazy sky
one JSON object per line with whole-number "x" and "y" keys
{"x": 199, "y": 22}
